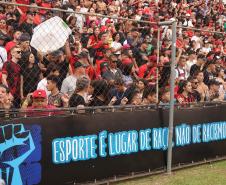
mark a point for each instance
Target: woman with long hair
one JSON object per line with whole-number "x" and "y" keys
{"x": 30, "y": 76}
{"x": 3, "y": 27}
{"x": 93, "y": 40}
{"x": 116, "y": 44}
{"x": 99, "y": 96}
{"x": 184, "y": 94}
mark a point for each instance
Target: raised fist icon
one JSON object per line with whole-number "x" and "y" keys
{"x": 16, "y": 144}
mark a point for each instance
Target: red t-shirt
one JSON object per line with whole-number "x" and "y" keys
{"x": 179, "y": 43}
{"x": 30, "y": 111}
{"x": 37, "y": 19}
{"x": 45, "y": 5}
{"x": 9, "y": 45}
{"x": 93, "y": 39}
{"x": 98, "y": 69}
{"x": 146, "y": 73}
{"x": 13, "y": 72}
{"x": 185, "y": 100}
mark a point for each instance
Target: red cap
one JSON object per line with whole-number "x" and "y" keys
{"x": 108, "y": 21}
{"x": 103, "y": 29}
{"x": 39, "y": 94}
{"x": 126, "y": 46}
{"x": 127, "y": 61}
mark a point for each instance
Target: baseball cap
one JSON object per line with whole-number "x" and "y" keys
{"x": 78, "y": 65}
{"x": 103, "y": 65}
{"x": 39, "y": 94}
{"x": 126, "y": 61}
{"x": 109, "y": 21}
{"x": 83, "y": 54}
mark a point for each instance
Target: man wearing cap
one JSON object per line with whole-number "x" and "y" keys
{"x": 37, "y": 100}
{"x": 112, "y": 71}
{"x": 3, "y": 52}
{"x": 69, "y": 83}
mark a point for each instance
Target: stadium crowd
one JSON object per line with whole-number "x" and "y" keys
{"x": 110, "y": 61}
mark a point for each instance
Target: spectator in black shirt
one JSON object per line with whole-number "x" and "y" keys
{"x": 198, "y": 66}
{"x": 30, "y": 76}
{"x": 210, "y": 71}
{"x": 99, "y": 94}
{"x": 120, "y": 94}
{"x": 141, "y": 54}
{"x": 60, "y": 61}
{"x": 194, "y": 84}
{"x": 26, "y": 49}
{"x": 78, "y": 99}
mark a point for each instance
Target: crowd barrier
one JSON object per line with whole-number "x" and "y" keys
{"x": 89, "y": 147}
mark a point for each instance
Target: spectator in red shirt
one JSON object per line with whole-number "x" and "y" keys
{"x": 93, "y": 40}
{"x": 101, "y": 46}
{"x": 16, "y": 36}
{"x": 11, "y": 72}
{"x": 83, "y": 57}
{"x": 147, "y": 71}
{"x": 184, "y": 95}
{"x": 38, "y": 100}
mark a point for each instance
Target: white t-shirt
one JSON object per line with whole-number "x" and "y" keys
{"x": 116, "y": 45}
{"x": 189, "y": 63}
{"x": 3, "y": 56}
{"x": 43, "y": 85}
{"x": 206, "y": 50}
{"x": 69, "y": 85}
{"x": 181, "y": 74}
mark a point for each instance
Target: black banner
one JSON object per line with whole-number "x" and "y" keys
{"x": 88, "y": 147}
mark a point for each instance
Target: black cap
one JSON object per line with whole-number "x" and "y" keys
{"x": 83, "y": 54}
{"x": 104, "y": 64}
{"x": 78, "y": 65}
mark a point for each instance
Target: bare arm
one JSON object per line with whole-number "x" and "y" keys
{"x": 4, "y": 81}
{"x": 21, "y": 86}
{"x": 68, "y": 50}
